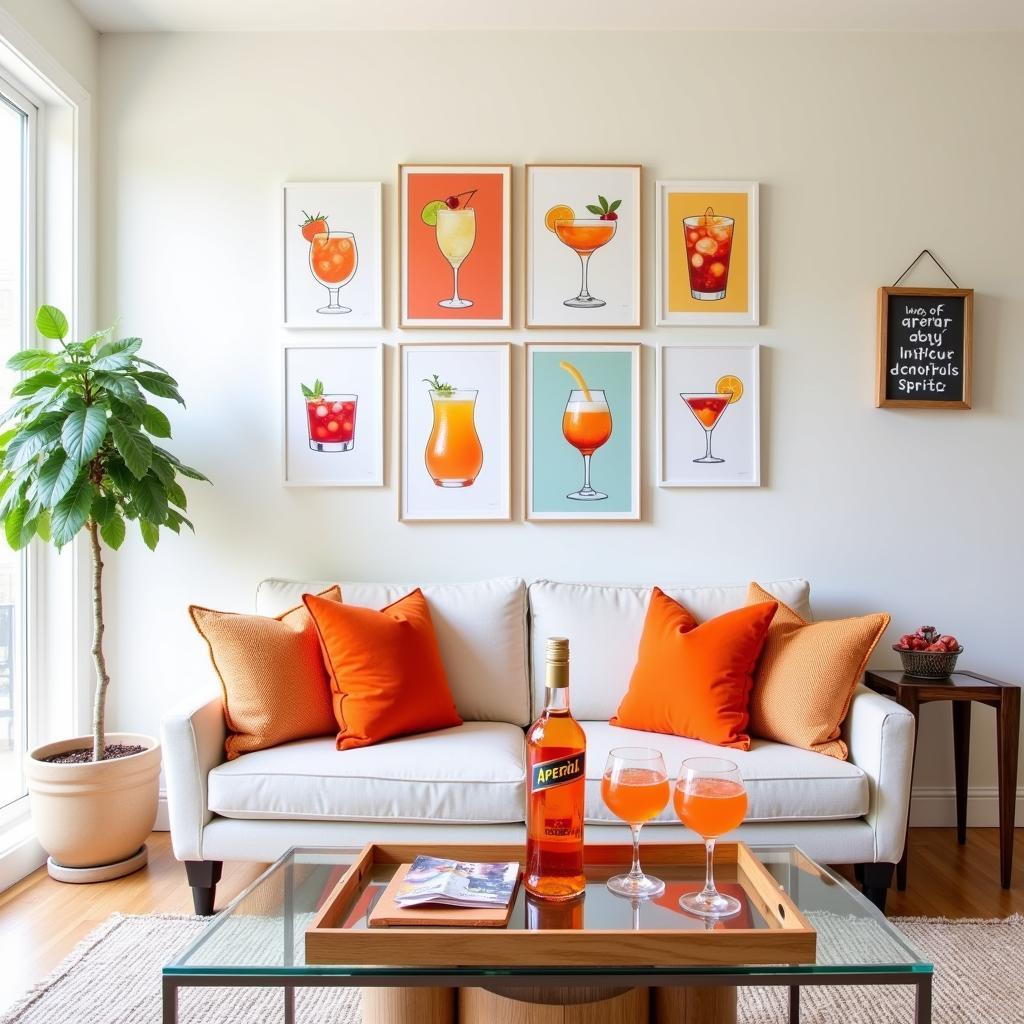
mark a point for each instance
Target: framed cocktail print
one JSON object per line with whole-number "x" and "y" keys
{"x": 333, "y": 268}
{"x": 709, "y": 413}
{"x": 455, "y": 433}
{"x": 582, "y": 432}
{"x": 333, "y": 416}
{"x": 455, "y": 241}
{"x": 707, "y": 253}
{"x": 582, "y": 245}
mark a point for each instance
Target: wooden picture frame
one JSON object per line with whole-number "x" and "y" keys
{"x": 551, "y": 272}
{"x": 927, "y": 378}
{"x": 483, "y": 290}
{"x": 487, "y": 498}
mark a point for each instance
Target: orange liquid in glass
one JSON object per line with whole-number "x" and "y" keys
{"x": 584, "y": 238}
{"x": 586, "y": 429}
{"x": 635, "y": 794}
{"x": 708, "y": 410}
{"x": 333, "y": 260}
{"x": 454, "y": 454}
{"x": 711, "y": 807}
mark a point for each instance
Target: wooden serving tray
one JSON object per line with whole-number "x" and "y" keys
{"x": 789, "y": 937}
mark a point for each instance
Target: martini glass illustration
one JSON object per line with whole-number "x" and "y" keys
{"x": 333, "y": 259}
{"x": 586, "y": 425}
{"x": 707, "y": 410}
{"x": 456, "y": 233}
{"x": 584, "y": 236}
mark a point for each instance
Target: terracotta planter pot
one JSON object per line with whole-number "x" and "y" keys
{"x": 97, "y": 814}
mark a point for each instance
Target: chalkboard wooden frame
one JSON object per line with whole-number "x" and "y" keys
{"x": 927, "y": 294}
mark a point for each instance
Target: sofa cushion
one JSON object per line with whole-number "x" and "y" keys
{"x": 480, "y": 627}
{"x": 472, "y": 773}
{"x": 783, "y": 783}
{"x": 604, "y": 625}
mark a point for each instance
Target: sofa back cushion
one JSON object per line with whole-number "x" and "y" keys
{"x": 480, "y": 628}
{"x": 604, "y": 625}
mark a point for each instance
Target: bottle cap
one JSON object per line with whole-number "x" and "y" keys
{"x": 556, "y": 651}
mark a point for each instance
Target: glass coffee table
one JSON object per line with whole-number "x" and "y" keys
{"x": 258, "y": 940}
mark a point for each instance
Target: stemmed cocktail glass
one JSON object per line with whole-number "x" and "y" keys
{"x": 710, "y": 798}
{"x": 707, "y": 410}
{"x": 586, "y": 425}
{"x": 455, "y": 233}
{"x": 333, "y": 259}
{"x": 635, "y": 788}
{"x": 584, "y": 235}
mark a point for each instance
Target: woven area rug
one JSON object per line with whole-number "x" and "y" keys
{"x": 113, "y": 977}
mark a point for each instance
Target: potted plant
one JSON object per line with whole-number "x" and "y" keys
{"x": 77, "y": 452}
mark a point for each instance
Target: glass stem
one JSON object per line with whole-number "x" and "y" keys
{"x": 455, "y": 286}
{"x": 333, "y": 296}
{"x": 584, "y": 292}
{"x": 707, "y": 453}
{"x": 586, "y": 473}
{"x": 634, "y": 872}
{"x": 709, "y": 869}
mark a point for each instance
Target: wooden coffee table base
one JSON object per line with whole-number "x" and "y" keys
{"x": 554, "y": 1005}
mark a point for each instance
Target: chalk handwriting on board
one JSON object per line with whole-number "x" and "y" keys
{"x": 923, "y": 363}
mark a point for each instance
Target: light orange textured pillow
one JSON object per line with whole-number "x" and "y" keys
{"x": 272, "y": 675}
{"x": 807, "y": 674}
{"x": 695, "y": 680}
{"x": 385, "y": 667}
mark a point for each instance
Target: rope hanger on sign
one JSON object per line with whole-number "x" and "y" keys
{"x": 934, "y": 259}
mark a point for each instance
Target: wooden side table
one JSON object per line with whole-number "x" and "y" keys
{"x": 961, "y": 688}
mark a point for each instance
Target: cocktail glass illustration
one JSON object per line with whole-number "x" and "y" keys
{"x": 707, "y": 410}
{"x": 584, "y": 235}
{"x": 586, "y": 425}
{"x": 456, "y": 233}
{"x": 454, "y": 454}
{"x": 332, "y": 422}
{"x": 333, "y": 259}
{"x": 708, "y": 239}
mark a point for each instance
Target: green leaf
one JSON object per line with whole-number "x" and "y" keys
{"x": 30, "y": 442}
{"x": 119, "y": 475}
{"x": 604, "y": 203}
{"x": 126, "y": 346}
{"x": 38, "y": 381}
{"x": 184, "y": 470}
{"x": 112, "y": 532}
{"x": 103, "y": 507}
{"x": 175, "y": 519}
{"x": 55, "y": 477}
{"x": 596, "y": 210}
{"x": 18, "y": 535}
{"x": 163, "y": 469}
{"x": 122, "y": 387}
{"x": 150, "y": 364}
{"x": 176, "y": 494}
{"x": 150, "y": 498}
{"x": 43, "y": 526}
{"x": 14, "y": 489}
{"x": 615, "y": 206}
{"x": 114, "y": 361}
{"x": 127, "y": 412}
{"x": 29, "y": 359}
{"x": 92, "y": 340}
{"x": 136, "y": 449}
{"x": 83, "y": 432}
{"x": 51, "y": 323}
{"x": 154, "y": 420}
{"x": 150, "y": 534}
{"x": 163, "y": 385}
{"x": 70, "y": 513}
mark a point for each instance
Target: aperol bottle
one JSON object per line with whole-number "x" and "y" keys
{"x": 555, "y": 757}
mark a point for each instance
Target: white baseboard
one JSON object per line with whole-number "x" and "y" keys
{"x": 935, "y": 807}
{"x": 163, "y": 819}
{"x": 20, "y": 859}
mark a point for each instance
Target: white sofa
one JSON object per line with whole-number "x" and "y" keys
{"x": 469, "y": 782}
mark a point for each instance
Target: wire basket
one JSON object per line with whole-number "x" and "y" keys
{"x": 928, "y": 664}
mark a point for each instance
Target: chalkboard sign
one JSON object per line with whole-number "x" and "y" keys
{"x": 924, "y": 347}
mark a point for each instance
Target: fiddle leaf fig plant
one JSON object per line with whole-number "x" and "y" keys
{"x": 79, "y": 450}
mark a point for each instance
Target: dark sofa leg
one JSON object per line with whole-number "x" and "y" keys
{"x": 203, "y": 876}
{"x": 876, "y": 881}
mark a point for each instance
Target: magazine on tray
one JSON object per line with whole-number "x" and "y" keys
{"x": 456, "y": 883}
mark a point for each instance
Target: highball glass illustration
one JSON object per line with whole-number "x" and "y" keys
{"x": 456, "y": 234}
{"x": 710, "y": 798}
{"x": 586, "y": 425}
{"x": 333, "y": 259}
{"x": 708, "y": 240}
{"x": 635, "y": 788}
{"x": 332, "y": 422}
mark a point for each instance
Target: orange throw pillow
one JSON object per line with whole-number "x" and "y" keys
{"x": 808, "y": 672}
{"x": 695, "y": 680}
{"x": 272, "y": 675}
{"x": 385, "y": 667}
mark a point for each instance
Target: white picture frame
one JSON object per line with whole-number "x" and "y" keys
{"x": 353, "y": 208}
{"x": 436, "y": 453}
{"x": 676, "y": 292}
{"x": 609, "y": 296}
{"x": 697, "y": 369}
{"x": 345, "y": 370}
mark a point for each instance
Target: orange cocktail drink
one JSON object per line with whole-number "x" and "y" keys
{"x": 635, "y": 794}
{"x": 333, "y": 259}
{"x": 711, "y": 807}
{"x": 584, "y": 236}
{"x": 454, "y": 455}
{"x": 586, "y": 425}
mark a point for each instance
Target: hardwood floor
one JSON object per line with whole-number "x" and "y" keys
{"x": 42, "y": 920}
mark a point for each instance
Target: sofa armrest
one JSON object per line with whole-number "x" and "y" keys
{"x": 880, "y": 735}
{"x": 193, "y": 741}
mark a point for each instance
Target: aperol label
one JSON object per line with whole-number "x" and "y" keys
{"x": 558, "y": 772}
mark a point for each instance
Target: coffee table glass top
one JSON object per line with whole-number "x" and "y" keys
{"x": 262, "y": 931}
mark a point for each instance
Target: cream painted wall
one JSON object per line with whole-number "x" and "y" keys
{"x": 867, "y": 147}
{"x": 59, "y": 28}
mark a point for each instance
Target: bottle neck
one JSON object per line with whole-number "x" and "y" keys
{"x": 557, "y": 698}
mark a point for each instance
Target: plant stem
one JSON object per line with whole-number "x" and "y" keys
{"x": 102, "y": 679}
